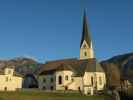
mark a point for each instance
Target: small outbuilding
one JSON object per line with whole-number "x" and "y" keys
{"x": 10, "y": 80}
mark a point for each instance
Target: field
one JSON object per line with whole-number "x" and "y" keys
{"x": 38, "y": 95}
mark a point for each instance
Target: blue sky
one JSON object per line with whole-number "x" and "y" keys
{"x": 51, "y": 29}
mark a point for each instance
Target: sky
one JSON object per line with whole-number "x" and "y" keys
{"x": 51, "y": 29}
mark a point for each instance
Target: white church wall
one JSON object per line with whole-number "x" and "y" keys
{"x": 94, "y": 79}
{"x": 101, "y": 80}
{"x": 89, "y": 78}
{"x": 65, "y": 81}
{"x": 77, "y": 83}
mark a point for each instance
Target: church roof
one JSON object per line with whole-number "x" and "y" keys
{"x": 78, "y": 67}
{"x": 85, "y": 32}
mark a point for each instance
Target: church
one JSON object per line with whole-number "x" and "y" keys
{"x": 84, "y": 74}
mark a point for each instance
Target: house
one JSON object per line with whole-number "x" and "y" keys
{"x": 84, "y": 74}
{"x": 10, "y": 80}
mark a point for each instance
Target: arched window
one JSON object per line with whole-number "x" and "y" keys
{"x": 66, "y": 88}
{"x": 60, "y": 79}
{"x": 85, "y": 53}
{"x": 66, "y": 77}
{"x": 5, "y": 88}
{"x": 92, "y": 80}
{"x": 100, "y": 80}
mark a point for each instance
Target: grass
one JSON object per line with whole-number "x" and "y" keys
{"x": 38, "y": 95}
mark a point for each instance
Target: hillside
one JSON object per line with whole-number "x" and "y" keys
{"x": 118, "y": 68}
{"x": 22, "y": 65}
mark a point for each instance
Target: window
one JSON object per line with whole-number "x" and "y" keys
{"x": 100, "y": 80}
{"x": 5, "y": 88}
{"x": 44, "y": 80}
{"x": 66, "y": 77}
{"x": 72, "y": 79}
{"x": 85, "y": 53}
{"x": 66, "y": 88}
{"x": 51, "y": 87}
{"x": 92, "y": 81}
{"x": 51, "y": 79}
{"x": 79, "y": 88}
{"x": 60, "y": 80}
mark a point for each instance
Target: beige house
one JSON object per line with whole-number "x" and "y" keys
{"x": 9, "y": 80}
{"x": 84, "y": 74}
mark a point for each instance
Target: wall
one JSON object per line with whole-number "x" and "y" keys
{"x": 87, "y": 49}
{"x": 96, "y": 81}
{"x": 45, "y": 82}
{"x": 76, "y": 84}
{"x": 65, "y": 82}
{"x": 12, "y": 84}
{"x": 103, "y": 78}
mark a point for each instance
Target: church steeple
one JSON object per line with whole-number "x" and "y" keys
{"x": 85, "y": 31}
{"x": 86, "y": 50}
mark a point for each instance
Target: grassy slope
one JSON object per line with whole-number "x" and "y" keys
{"x": 46, "y": 96}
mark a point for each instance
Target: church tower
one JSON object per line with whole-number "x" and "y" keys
{"x": 86, "y": 49}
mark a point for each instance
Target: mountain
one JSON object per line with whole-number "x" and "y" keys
{"x": 118, "y": 68}
{"x": 22, "y": 65}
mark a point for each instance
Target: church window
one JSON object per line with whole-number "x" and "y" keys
{"x": 60, "y": 79}
{"x": 66, "y": 77}
{"x": 92, "y": 81}
{"x": 85, "y": 53}
{"x": 100, "y": 80}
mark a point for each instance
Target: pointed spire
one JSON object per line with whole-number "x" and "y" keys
{"x": 85, "y": 32}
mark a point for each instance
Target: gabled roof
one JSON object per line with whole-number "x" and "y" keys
{"x": 85, "y": 32}
{"x": 78, "y": 67}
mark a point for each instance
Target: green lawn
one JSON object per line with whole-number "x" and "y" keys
{"x": 36, "y": 95}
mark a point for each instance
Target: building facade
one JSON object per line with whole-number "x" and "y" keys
{"x": 9, "y": 80}
{"x": 84, "y": 74}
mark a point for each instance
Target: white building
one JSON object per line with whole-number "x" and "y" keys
{"x": 84, "y": 74}
{"x": 9, "y": 80}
